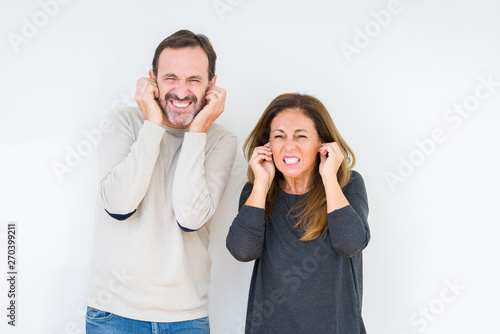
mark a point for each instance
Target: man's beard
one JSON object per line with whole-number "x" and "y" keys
{"x": 173, "y": 116}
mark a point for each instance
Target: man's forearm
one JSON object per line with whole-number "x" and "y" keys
{"x": 200, "y": 181}
{"x": 128, "y": 175}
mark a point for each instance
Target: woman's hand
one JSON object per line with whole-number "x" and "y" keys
{"x": 262, "y": 166}
{"x": 263, "y": 169}
{"x": 331, "y": 158}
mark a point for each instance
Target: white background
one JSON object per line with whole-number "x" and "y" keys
{"x": 436, "y": 226}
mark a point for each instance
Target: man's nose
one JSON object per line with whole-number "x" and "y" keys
{"x": 181, "y": 89}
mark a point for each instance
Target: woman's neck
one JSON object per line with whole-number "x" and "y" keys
{"x": 295, "y": 185}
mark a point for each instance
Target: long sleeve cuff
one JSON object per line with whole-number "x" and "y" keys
{"x": 246, "y": 235}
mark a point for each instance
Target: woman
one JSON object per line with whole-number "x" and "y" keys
{"x": 303, "y": 219}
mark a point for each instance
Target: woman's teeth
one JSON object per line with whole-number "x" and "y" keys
{"x": 291, "y": 161}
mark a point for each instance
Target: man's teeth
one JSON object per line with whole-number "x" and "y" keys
{"x": 180, "y": 104}
{"x": 290, "y": 161}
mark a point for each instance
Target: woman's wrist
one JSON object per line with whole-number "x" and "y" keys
{"x": 261, "y": 186}
{"x": 330, "y": 181}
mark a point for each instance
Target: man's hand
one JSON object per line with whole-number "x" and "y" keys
{"x": 146, "y": 96}
{"x": 216, "y": 99}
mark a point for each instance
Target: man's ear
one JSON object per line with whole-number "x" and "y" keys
{"x": 212, "y": 82}
{"x": 152, "y": 75}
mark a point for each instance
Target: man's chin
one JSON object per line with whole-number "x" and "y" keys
{"x": 178, "y": 120}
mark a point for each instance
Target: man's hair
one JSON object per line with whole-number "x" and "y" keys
{"x": 183, "y": 39}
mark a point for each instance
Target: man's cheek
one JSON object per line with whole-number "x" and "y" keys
{"x": 203, "y": 103}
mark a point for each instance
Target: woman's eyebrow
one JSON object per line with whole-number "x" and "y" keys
{"x": 298, "y": 130}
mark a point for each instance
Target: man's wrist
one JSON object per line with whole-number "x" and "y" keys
{"x": 199, "y": 127}
{"x": 159, "y": 123}
{"x": 197, "y": 130}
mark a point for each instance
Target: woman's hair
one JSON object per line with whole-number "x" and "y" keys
{"x": 311, "y": 211}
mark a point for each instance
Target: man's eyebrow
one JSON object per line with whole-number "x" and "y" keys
{"x": 171, "y": 75}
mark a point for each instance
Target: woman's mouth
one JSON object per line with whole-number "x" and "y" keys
{"x": 291, "y": 161}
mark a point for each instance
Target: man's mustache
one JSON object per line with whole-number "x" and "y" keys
{"x": 172, "y": 96}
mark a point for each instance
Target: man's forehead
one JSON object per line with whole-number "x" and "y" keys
{"x": 189, "y": 61}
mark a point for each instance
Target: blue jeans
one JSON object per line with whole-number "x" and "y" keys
{"x": 101, "y": 322}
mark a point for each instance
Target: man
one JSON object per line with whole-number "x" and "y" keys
{"x": 162, "y": 170}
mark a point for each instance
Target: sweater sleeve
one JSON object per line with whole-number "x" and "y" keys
{"x": 200, "y": 181}
{"x": 245, "y": 239}
{"x": 348, "y": 226}
{"x": 126, "y": 163}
